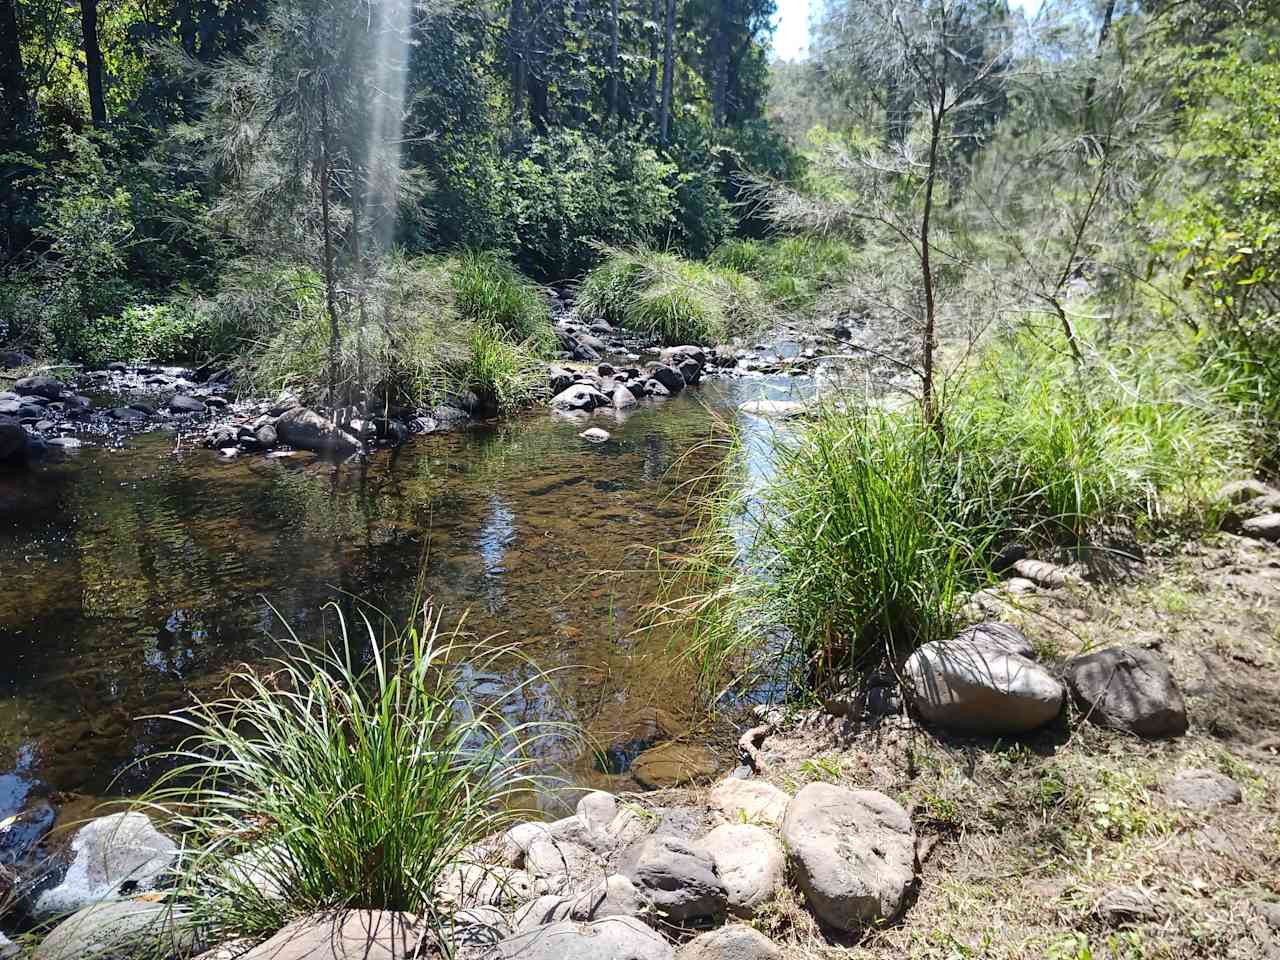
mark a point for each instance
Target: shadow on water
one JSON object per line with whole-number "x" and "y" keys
{"x": 137, "y": 577}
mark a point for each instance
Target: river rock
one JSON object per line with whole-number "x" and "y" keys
{"x": 735, "y": 941}
{"x": 1130, "y": 689}
{"x": 671, "y": 378}
{"x": 773, "y": 409}
{"x": 560, "y": 379}
{"x": 594, "y": 435}
{"x": 41, "y": 386}
{"x": 1240, "y": 491}
{"x": 308, "y": 430}
{"x": 623, "y": 397}
{"x": 750, "y": 863}
{"x": 8, "y": 949}
{"x": 120, "y": 930}
{"x": 673, "y": 356}
{"x": 12, "y": 359}
{"x": 853, "y": 853}
{"x": 613, "y": 938}
{"x": 981, "y": 682}
{"x": 346, "y": 935}
{"x": 564, "y": 866}
{"x": 654, "y": 388}
{"x": 1203, "y": 789}
{"x": 14, "y": 444}
{"x": 22, "y": 831}
{"x": 580, "y": 396}
{"x": 181, "y": 403}
{"x": 110, "y": 856}
{"x": 690, "y": 370}
{"x": 679, "y": 877}
{"x": 266, "y": 437}
{"x": 755, "y": 801}
{"x": 476, "y": 930}
{"x": 615, "y": 896}
{"x": 467, "y": 885}
{"x": 1265, "y": 527}
{"x": 671, "y": 764}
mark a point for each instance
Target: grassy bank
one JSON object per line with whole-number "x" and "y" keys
{"x": 876, "y": 528}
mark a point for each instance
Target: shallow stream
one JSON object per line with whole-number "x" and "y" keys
{"x": 138, "y": 576}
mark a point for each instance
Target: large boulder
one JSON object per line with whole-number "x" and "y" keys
{"x": 853, "y": 853}
{"x": 119, "y": 930}
{"x": 671, "y": 764}
{"x": 983, "y": 682}
{"x": 14, "y": 443}
{"x": 307, "y": 430}
{"x": 754, "y": 801}
{"x": 670, "y": 378}
{"x": 346, "y": 935}
{"x": 750, "y": 863}
{"x": 181, "y": 403}
{"x": 1129, "y": 689}
{"x": 580, "y": 396}
{"x": 41, "y": 386}
{"x": 678, "y": 877}
{"x": 109, "y": 857}
{"x": 736, "y": 941}
{"x": 613, "y": 938}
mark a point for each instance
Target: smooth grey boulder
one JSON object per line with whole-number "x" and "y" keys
{"x": 750, "y": 862}
{"x": 476, "y": 929}
{"x": 981, "y": 682}
{"x": 594, "y": 435}
{"x": 853, "y": 853}
{"x": 671, "y": 378}
{"x": 110, "y": 857}
{"x": 119, "y": 930}
{"x": 613, "y": 938}
{"x": 756, "y": 801}
{"x": 41, "y": 386}
{"x": 346, "y": 935}
{"x": 565, "y": 866}
{"x": 467, "y": 885}
{"x": 580, "y": 396}
{"x": 307, "y": 430}
{"x": 615, "y": 896}
{"x": 678, "y": 877}
{"x": 674, "y": 355}
{"x": 1264, "y": 527}
{"x": 1130, "y": 689}
{"x": 181, "y": 403}
{"x": 736, "y": 941}
{"x": 1203, "y": 789}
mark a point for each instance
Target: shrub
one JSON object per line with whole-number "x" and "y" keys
{"x": 350, "y": 775}
{"x": 791, "y": 270}
{"x": 491, "y": 292}
{"x": 677, "y": 301}
{"x": 570, "y": 192}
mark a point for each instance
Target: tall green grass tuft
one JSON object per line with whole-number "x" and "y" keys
{"x": 791, "y": 270}
{"x": 490, "y": 291}
{"x": 873, "y": 530}
{"x": 350, "y": 775}
{"x": 674, "y": 300}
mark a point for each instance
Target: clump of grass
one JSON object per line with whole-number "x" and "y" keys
{"x": 504, "y": 374}
{"x": 672, "y": 299}
{"x": 491, "y": 292}
{"x": 349, "y": 775}
{"x": 791, "y": 270}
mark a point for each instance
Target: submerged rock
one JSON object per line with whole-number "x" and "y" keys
{"x": 594, "y": 435}
{"x": 1130, "y": 689}
{"x": 671, "y": 764}
{"x": 773, "y": 409}
{"x": 853, "y": 852}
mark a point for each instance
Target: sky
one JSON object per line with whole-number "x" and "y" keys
{"x": 791, "y": 38}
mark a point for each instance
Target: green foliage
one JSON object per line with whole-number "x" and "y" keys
{"x": 792, "y": 270}
{"x": 504, "y": 373}
{"x": 569, "y": 192}
{"x": 490, "y": 291}
{"x": 352, "y": 774}
{"x": 675, "y": 300}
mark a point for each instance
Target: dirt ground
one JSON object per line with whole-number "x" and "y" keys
{"x": 1062, "y": 845}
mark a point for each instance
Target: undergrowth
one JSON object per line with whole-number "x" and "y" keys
{"x": 791, "y": 270}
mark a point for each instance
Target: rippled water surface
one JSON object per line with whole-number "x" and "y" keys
{"x": 135, "y": 577}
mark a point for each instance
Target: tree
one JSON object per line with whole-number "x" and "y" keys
{"x": 668, "y": 70}
{"x": 13, "y": 83}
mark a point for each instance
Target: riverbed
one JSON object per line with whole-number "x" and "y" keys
{"x": 138, "y": 576}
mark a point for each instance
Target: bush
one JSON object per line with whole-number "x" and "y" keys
{"x": 675, "y": 300}
{"x": 571, "y": 192}
{"x": 491, "y": 292}
{"x": 350, "y": 775}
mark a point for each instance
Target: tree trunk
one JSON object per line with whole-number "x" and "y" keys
{"x": 613, "y": 60}
{"x": 932, "y": 412}
{"x": 519, "y": 63}
{"x": 330, "y": 284}
{"x": 655, "y": 10}
{"x": 13, "y": 82}
{"x": 720, "y": 63}
{"x": 93, "y": 62}
{"x": 1091, "y": 85}
{"x": 668, "y": 70}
